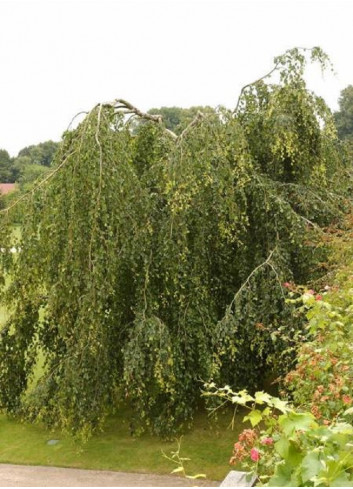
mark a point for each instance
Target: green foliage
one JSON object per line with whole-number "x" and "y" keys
{"x": 33, "y": 162}
{"x": 5, "y": 167}
{"x": 149, "y": 262}
{"x": 28, "y": 165}
{"x": 344, "y": 117}
{"x": 323, "y": 378}
{"x": 177, "y": 118}
{"x": 30, "y": 174}
{"x": 40, "y": 154}
{"x": 285, "y": 447}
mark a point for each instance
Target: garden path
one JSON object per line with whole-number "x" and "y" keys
{"x": 39, "y": 476}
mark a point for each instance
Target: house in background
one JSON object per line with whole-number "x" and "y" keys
{"x": 6, "y": 188}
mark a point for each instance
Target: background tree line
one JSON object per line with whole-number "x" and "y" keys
{"x": 30, "y": 163}
{"x": 344, "y": 117}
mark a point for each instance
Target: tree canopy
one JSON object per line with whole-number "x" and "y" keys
{"x": 5, "y": 167}
{"x": 30, "y": 163}
{"x": 177, "y": 118}
{"x": 40, "y": 154}
{"x": 151, "y": 261}
{"x": 344, "y": 117}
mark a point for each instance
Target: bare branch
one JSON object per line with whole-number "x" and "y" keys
{"x": 121, "y": 105}
{"x": 312, "y": 224}
{"x": 266, "y": 262}
{"x": 199, "y": 116}
{"x": 75, "y": 117}
{"x": 171, "y": 133}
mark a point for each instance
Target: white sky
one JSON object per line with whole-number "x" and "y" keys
{"x": 60, "y": 57}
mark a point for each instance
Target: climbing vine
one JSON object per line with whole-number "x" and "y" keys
{"x": 149, "y": 261}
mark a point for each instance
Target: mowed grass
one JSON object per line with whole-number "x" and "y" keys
{"x": 208, "y": 445}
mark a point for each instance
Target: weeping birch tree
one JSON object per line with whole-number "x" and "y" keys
{"x": 150, "y": 262}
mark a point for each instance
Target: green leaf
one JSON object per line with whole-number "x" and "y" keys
{"x": 280, "y": 405}
{"x": 292, "y": 422}
{"x": 343, "y": 480}
{"x": 283, "y": 477}
{"x": 289, "y": 451}
{"x": 242, "y": 398}
{"x": 262, "y": 397}
{"x": 255, "y": 417}
{"x": 348, "y": 411}
{"x": 311, "y": 466}
{"x": 282, "y": 447}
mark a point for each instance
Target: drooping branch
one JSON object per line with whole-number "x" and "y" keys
{"x": 316, "y": 54}
{"x": 254, "y": 83}
{"x": 123, "y": 106}
{"x": 245, "y": 283}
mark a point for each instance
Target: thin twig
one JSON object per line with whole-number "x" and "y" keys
{"x": 253, "y": 83}
{"x": 199, "y": 116}
{"x": 75, "y": 117}
{"x": 266, "y": 262}
{"x": 311, "y": 223}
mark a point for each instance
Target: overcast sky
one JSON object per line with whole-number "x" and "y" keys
{"x": 60, "y": 57}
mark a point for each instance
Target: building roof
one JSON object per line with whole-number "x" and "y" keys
{"x": 6, "y": 188}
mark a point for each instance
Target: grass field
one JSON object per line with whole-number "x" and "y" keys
{"x": 208, "y": 445}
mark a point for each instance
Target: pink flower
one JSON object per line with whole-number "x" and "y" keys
{"x": 347, "y": 399}
{"x": 286, "y": 284}
{"x": 318, "y": 297}
{"x": 311, "y": 292}
{"x": 254, "y": 455}
{"x": 267, "y": 441}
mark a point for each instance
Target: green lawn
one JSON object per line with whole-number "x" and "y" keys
{"x": 208, "y": 445}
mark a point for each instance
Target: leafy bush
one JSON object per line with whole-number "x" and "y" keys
{"x": 285, "y": 447}
{"x": 323, "y": 378}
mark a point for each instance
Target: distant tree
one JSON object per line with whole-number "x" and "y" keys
{"x": 344, "y": 117}
{"x": 177, "y": 118}
{"x": 40, "y": 154}
{"x": 18, "y": 166}
{"x": 5, "y": 167}
{"x": 32, "y": 162}
{"x": 31, "y": 173}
